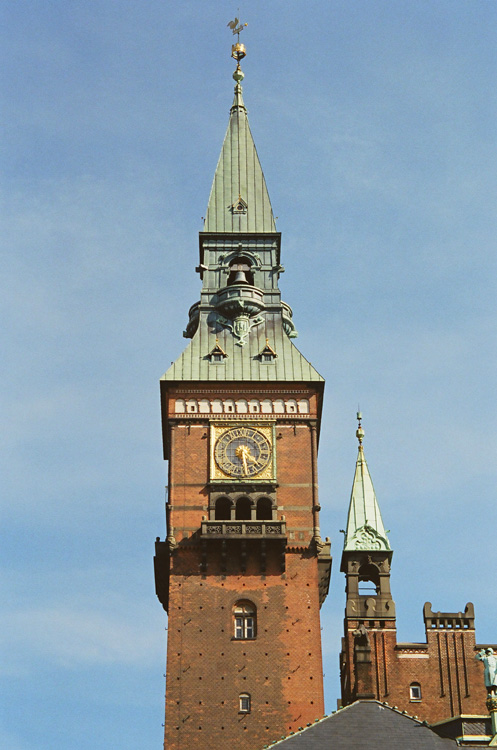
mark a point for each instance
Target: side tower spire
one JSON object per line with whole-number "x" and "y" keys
{"x": 243, "y": 570}
{"x": 365, "y": 530}
{"x": 370, "y": 610}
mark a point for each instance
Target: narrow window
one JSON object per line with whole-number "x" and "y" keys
{"x": 244, "y": 621}
{"x": 264, "y": 509}
{"x": 244, "y": 703}
{"x": 415, "y": 691}
{"x": 223, "y": 509}
{"x": 243, "y": 510}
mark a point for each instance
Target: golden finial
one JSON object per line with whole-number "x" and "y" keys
{"x": 238, "y": 51}
{"x": 360, "y": 432}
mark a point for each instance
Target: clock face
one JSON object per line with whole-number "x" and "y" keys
{"x": 242, "y": 452}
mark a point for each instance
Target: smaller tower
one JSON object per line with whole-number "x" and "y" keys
{"x": 435, "y": 680}
{"x": 370, "y": 611}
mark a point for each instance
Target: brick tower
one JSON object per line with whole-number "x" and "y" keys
{"x": 434, "y": 680}
{"x": 243, "y": 570}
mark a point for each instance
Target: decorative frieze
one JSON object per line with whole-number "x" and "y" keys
{"x": 241, "y": 406}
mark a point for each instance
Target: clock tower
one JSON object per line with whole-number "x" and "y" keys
{"x": 243, "y": 570}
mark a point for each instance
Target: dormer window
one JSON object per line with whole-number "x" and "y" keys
{"x": 217, "y": 355}
{"x": 268, "y": 354}
{"x": 239, "y": 206}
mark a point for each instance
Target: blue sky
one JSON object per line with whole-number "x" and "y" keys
{"x": 375, "y": 125}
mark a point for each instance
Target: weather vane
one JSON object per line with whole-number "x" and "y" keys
{"x": 236, "y": 26}
{"x": 237, "y": 50}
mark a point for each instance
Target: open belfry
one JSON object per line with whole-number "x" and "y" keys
{"x": 244, "y": 570}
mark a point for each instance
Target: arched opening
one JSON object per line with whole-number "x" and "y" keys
{"x": 303, "y": 406}
{"x": 244, "y": 703}
{"x": 243, "y": 509}
{"x": 264, "y": 509}
{"x": 369, "y": 580}
{"x": 240, "y": 272}
{"x": 244, "y": 620}
{"x": 223, "y": 509}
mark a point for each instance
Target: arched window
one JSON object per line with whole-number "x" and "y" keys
{"x": 244, "y": 620}
{"x": 267, "y": 406}
{"x": 244, "y": 703}
{"x": 415, "y": 691}
{"x": 303, "y": 405}
{"x": 204, "y": 406}
{"x": 223, "y": 509}
{"x": 369, "y": 580}
{"x": 240, "y": 272}
{"x": 243, "y": 509}
{"x": 254, "y": 406}
{"x": 264, "y": 509}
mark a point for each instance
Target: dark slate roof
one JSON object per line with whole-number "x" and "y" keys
{"x": 366, "y": 725}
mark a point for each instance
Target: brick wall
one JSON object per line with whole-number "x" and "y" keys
{"x": 444, "y": 667}
{"x": 207, "y": 668}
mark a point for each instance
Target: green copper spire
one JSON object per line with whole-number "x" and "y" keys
{"x": 365, "y": 530}
{"x": 239, "y": 200}
{"x": 240, "y": 329}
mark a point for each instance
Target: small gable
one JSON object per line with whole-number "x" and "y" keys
{"x": 217, "y": 355}
{"x": 239, "y": 206}
{"x": 267, "y": 355}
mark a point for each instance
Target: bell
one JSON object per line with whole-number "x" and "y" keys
{"x": 240, "y": 278}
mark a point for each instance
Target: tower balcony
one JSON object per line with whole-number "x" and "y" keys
{"x": 288, "y": 324}
{"x": 240, "y": 299}
{"x": 193, "y": 319}
{"x": 243, "y": 530}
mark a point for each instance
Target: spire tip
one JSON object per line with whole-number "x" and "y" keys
{"x": 238, "y": 51}
{"x": 359, "y": 431}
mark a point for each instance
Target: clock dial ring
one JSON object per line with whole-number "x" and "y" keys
{"x": 242, "y": 452}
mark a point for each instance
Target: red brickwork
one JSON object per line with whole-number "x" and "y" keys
{"x": 444, "y": 668}
{"x": 203, "y": 579}
{"x": 207, "y": 668}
